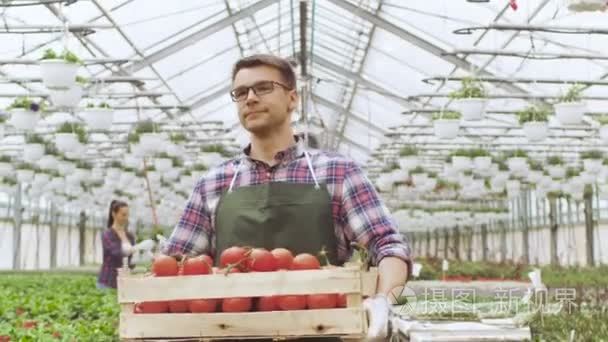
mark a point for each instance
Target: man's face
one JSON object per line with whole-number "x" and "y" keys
{"x": 263, "y": 113}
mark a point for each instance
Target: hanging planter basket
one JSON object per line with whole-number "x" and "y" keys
{"x": 556, "y": 171}
{"x": 409, "y": 163}
{"x": 1, "y": 130}
{"x": 593, "y": 166}
{"x": 6, "y": 169}
{"x": 66, "y": 98}
{"x": 587, "y": 5}
{"x": 482, "y": 163}
{"x": 536, "y": 130}
{"x": 24, "y": 119}
{"x": 461, "y": 163}
{"x": 517, "y": 164}
{"x": 98, "y": 118}
{"x": 446, "y": 128}
{"x": 58, "y": 74}
{"x": 25, "y": 175}
{"x": 570, "y": 113}
{"x": 163, "y": 164}
{"x": 66, "y": 142}
{"x": 472, "y": 109}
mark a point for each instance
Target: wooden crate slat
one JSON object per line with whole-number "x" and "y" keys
{"x": 341, "y": 280}
{"x": 252, "y": 324}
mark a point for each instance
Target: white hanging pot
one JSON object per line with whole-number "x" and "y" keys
{"x": 472, "y": 109}
{"x": 408, "y": 163}
{"x": 151, "y": 143}
{"x": 25, "y": 176}
{"x": 66, "y": 142}
{"x": 83, "y": 174}
{"x": 536, "y": 130}
{"x": 513, "y": 188}
{"x": 384, "y": 182}
{"x": 33, "y": 152}
{"x": 604, "y": 134}
{"x": 163, "y": 164}
{"x": 24, "y": 119}
{"x": 556, "y": 171}
{"x": 2, "y": 131}
{"x": 171, "y": 175}
{"x": 592, "y": 165}
{"x": 78, "y": 152}
{"x": 113, "y": 173}
{"x": 587, "y": 5}
{"x": 534, "y": 176}
{"x": 98, "y": 118}
{"x": 66, "y": 98}
{"x": 66, "y": 168}
{"x": 517, "y": 164}
{"x": 419, "y": 179}
{"x": 446, "y": 128}
{"x": 588, "y": 177}
{"x": 41, "y": 179}
{"x": 399, "y": 175}
{"x": 47, "y": 162}
{"x": 570, "y": 113}
{"x": 482, "y": 163}
{"x": 6, "y": 169}
{"x": 461, "y": 163}
{"x": 57, "y": 73}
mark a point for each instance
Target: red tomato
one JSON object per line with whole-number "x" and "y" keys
{"x": 341, "y": 300}
{"x": 178, "y": 306}
{"x": 232, "y": 255}
{"x": 153, "y": 307}
{"x": 19, "y": 311}
{"x": 292, "y": 302}
{"x": 237, "y": 304}
{"x": 305, "y": 261}
{"x": 321, "y": 301}
{"x": 56, "y": 334}
{"x": 165, "y": 266}
{"x": 29, "y": 324}
{"x": 267, "y": 304}
{"x": 197, "y": 265}
{"x": 283, "y": 257}
{"x": 5, "y": 338}
{"x": 261, "y": 260}
{"x": 203, "y": 305}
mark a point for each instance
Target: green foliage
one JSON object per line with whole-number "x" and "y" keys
{"x": 66, "y": 305}
{"x": 572, "y": 172}
{"x": 8, "y": 181}
{"x": 177, "y": 138}
{"x": 5, "y": 159}
{"x": 573, "y": 94}
{"x": 408, "y": 151}
{"x": 81, "y": 80}
{"x": 66, "y": 55}
{"x": 34, "y": 139}
{"x": 217, "y": 148}
{"x": 76, "y": 128}
{"x": 199, "y": 167}
{"x": 146, "y": 126}
{"x": 535, "y": 165}
{"x": 115, "y": 164}
{"x": 602, "y": 119}
{"x": 26, "y": 104}
{"x": 447, "y": 115}
{"x": 84, "y": 165}
{"x": 555, "y": 160}
{"x": 2, "y": 119}
{"x": 470, "y": 88}
{"x": 516, "y": 154}
{"x": 534, "y": 114}
{"x": 593, "y": 154}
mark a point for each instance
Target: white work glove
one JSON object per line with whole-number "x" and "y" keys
{"x": 377, "y": 309}
{"x": 161, "y": 241}
{"x": 145, "y": 245}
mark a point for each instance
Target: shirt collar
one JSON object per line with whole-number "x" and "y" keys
{"x": 291, "y": 153}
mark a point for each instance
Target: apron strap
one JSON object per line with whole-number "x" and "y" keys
{"x": 312, "y": 171}
{"x": 308, "y": 162}
{"x": 238, "y": 168}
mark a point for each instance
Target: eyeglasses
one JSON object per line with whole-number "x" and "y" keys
{"x": 261, "y": 88}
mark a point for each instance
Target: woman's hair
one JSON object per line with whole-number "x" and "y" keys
{"x": 114, "y": 208}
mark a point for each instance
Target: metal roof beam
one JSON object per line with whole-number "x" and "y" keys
{"x": 417, "y": 41}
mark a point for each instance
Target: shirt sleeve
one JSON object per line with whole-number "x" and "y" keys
{"x": 370, "y": 220}
{"x": 192, "y": 234}
{"x": 111, "y": 245}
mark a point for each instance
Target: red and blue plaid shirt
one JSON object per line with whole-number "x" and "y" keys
{"x": 358, "y": 212}
{"x": 112, "y": 257}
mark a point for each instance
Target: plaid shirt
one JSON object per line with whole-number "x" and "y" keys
{"x": 358, "y": 213}
{"x": 112, "y": 257}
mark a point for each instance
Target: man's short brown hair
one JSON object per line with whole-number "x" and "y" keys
{"x": 281, "y": 64}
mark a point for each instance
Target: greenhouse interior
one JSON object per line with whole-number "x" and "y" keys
{"x": 481, "y": 126}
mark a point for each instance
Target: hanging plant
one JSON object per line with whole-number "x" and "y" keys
{"x": 593, "y": 154}
{"x": 534, "y": 114}
{"x": 408, "y": 158}
{"x": 216, "y": 148}
{"x": 74, "y": 128}
{"x": 592, "y": 161}
{"x": 5, "y": 159}
{"x": 555, "y": 161}
{"x": 59, "y": 71}
{"x": 147, "y": 126}
{"x": 98, "y": 117}
{"x": 569, "y": 110}
{"x": 34, "y": 139}
{"x": 84, "y": 165}
{"x": 2, "y": 119}
{"x": 470, "y": 99}
{"x": 178, "y": 138}
{"x": 446, "y": 124}
{"x": 408, "y": 151}
{"x": 199, "y": 167}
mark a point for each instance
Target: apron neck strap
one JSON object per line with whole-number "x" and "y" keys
{"x": 308, "y": 162}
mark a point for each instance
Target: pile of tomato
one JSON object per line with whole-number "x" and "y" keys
{"x": 240, "y": 260}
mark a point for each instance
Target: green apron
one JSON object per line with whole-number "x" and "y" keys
{"x": 278, "y": 214}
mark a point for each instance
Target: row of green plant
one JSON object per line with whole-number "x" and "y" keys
{"x": 552, "y": 276}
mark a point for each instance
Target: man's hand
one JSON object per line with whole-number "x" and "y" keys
{"x": 377, "y": 309}
{"x": 392, "y": 273}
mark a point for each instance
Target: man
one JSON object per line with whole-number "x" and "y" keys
{"x": 279, "y": 194}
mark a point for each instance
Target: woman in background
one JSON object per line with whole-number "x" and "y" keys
{"x": 117, "y": 243}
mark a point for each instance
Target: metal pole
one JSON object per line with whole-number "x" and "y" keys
{"x": 588, "y": 197}
{"x": 553, "y": 229}
{"x": 17, "y": 217}
{"x": 53, "y": 235}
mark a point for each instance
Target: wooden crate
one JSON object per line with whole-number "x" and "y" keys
{"x": 349, "y": 322}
